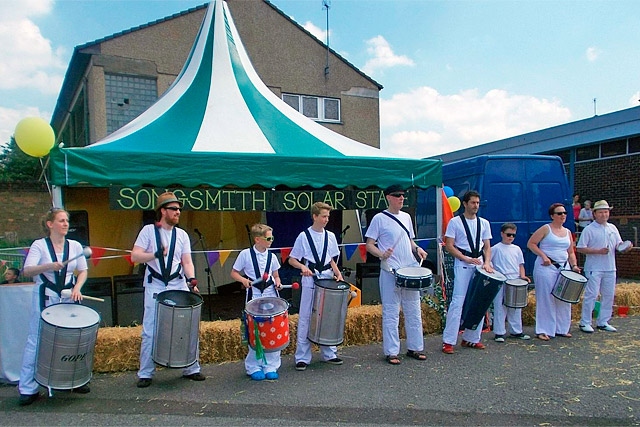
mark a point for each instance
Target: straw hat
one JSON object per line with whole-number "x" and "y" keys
{"x": 601, "y": 204}
{"x": 166, "y": 198}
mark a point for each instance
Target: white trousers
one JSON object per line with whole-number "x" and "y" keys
{"x": 27, "y": 383}
{"x": 503, "y": 314}
{"x": 603, "y": 283}
{"x": 251, "y": 363}
{"x": 461, "y": 280}
{"x": 393, "y": 298}
{"x": 147, "y": 366}
{"x": 552, "y": 315}
{"x": 303, "y": 345}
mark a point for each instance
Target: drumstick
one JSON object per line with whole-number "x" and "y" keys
{"x": 86, "y": 252}
{"x": 66, "y": 293}
{"x": 294, "y": 285}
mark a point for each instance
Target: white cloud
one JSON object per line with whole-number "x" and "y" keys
{"x": 634, "y": 101}
{"x": 317, "y": 32}
{"x": 424, "y": 123}
{"x": 593, "y": 53}
{"x": 10, "y": 117}
{"x": 383, "y": 56}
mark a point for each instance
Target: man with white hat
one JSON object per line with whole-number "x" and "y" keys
{"x": 166, "y": 249}
{"x": 599, "y": 242}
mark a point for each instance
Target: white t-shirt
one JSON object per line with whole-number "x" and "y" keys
{"x": 244, "y": 264}
{"x": 598, "y": 236}
{"x": 389, "y": 234}
{"x": 302, "y": 251}
{"x": 39, "y": 254}
{"x": 147, "y": 241}
{"x": 455, "y": 230}
{"x": 507, "y": 259}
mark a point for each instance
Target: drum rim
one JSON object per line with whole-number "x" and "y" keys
{"x": 285, "y": 310}
{"x": 198, "y": 298}
{"x": 484, "y": 272}
{"x": 524, "y": 282}
{"x": 318, "y": 281}
{"x": 398, "y": 273}
{"x": 566, "y": 273}
{"x": 83, "y": 307}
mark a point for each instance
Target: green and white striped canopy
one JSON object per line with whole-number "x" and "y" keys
{"x": 220, "y": 125}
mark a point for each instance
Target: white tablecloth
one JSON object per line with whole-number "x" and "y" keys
{"x": 15, "y": 313}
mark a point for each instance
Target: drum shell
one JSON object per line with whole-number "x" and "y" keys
{"x": 569, "y": 286}
{"x": 273, "y": 325}
{"x": 177, "y": 328}
{"x": 481, "y": 292}
{"x": 65, "y": 353}
{"x": 329, "y": 312}
{"x": 414, "y": 278}
{"x": 516, "y": 293}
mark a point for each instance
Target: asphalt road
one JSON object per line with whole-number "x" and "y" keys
{"x": 585, "y": 380}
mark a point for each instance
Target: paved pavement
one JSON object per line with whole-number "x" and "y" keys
{"x": 585, "y": 380}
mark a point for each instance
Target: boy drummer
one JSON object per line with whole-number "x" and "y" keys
{"x": 252, "y": 264}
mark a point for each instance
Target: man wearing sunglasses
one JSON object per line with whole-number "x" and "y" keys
{"x": 166, "y": 249}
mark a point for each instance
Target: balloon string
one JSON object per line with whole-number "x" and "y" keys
{"x": 46, "y": 181}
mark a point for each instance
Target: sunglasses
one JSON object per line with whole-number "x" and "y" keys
{"x": 560, "y": 213}
{"x": 268, "y": 239}
{"x": 174, "y": 208}
{"x": 510, "y": 234}
{"x": 397, "y": 194}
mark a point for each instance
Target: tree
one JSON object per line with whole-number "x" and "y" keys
{"x": 16, "y": 166}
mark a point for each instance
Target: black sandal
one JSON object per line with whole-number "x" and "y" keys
{"x": 393, "y": 360}
{"x": 418, "y": 355}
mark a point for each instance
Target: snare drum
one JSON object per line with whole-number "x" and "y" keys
{"x": 413, "y": 277}
{"x": 516, "y": 293}
{"x": 68, "y": 335}
{"x": 268, "y": 318}
{"x": 480, "y": 294}
{"x": 569, "y": 286}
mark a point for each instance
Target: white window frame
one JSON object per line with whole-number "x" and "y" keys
{"x": 320, "y": 106}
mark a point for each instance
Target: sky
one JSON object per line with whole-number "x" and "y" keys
{"x": 456, "y": 73}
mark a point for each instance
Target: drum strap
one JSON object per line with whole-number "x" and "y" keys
{"x": 415, "y": 255}
{"x": 319, "y": 264}
{"x": 59, "y": 276}
{"x": 256, "y": 269}
{"x": 475, "y": 248}
{"x": 165, "y": 275}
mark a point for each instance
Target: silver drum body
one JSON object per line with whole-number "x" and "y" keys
{"x": 68, "y": 334}
{"x": 516, "y": 293}
{"x": 329, "y": 312}
{"x": 177, "y": 328}
{"x": 413, "y": 277}
{"x": 569, "y": 286}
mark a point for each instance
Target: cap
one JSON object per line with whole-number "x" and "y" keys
{"x": 601, "y": 204}
{"x": 165, "y": 198}
{"x": 395, "y": 188}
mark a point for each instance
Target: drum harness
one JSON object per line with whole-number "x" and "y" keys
{"x": 319, "y": 264}
{"x": 166, "y": 275}
{"x": 59, "y": 276}
{"x": 475, "y": 248}
{"x": 263, "y": 284}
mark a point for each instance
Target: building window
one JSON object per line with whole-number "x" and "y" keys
{"x": 314, "y": 107}
{"x": 589, "y": 152}
{"x": 565, "y": 155}
{"x": 634, "y": 144}
{"x": 613, "y": 148}
{"x": 127, "y": 97}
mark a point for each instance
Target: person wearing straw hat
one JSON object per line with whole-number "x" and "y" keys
{"x": 166, "y": 249}
{"x": 599, "y": 242}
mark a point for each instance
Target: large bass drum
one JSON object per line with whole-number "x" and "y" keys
{"x": 569, "y": 286}
{"x": 482, "y": 290}
{"x": 329, "y": 312}
{"x": 68, "y": 334}
{"x": 175, "y": 343}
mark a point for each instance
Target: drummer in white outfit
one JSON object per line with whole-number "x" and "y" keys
{"x": 457, "y": 244}
{"x": 326, "y": 247}
{"x": 598, "y": 242}
{"x": 165, "y": 248}
{"x": 49, "y": 273}
{"x": 507, "y": 258}
{"x": 553, "y": 244}
{"x": 394, "y": 245}
{"x": 244, "y": 272}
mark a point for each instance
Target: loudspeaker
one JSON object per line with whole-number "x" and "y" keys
{"x": 367, "y": 275}
{"x": 79, "y": 227}
{"x": 129, "y": 300}
{"x": 101, "y": 287}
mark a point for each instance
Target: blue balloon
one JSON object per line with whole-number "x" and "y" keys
{"x": 448, "y": 191}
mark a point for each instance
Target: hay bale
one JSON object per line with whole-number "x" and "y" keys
{"x": 117, "y": 349}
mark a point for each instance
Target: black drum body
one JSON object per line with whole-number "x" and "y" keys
{"x": 413, "y": 278}
{"x": 480, "y": 294}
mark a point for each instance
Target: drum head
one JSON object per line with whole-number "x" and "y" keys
{"x": 624, "y": 246}
{"x": 332, "y": 284}
{"x": 266, "y": 306}
{"x": 573, "y": 276}
{"x": 179, "y": 299}
{"x": 517, "y": 282}
{"x": 496, "y": 275}
{"x": 72, "y": 316}
{"x": 414, "y": 272}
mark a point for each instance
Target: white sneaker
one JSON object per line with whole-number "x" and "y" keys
{"x": 586, "y": 328}
{"x": 607, "y": 327}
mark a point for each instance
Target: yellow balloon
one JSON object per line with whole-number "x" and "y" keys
{"x": 34, "y": 136}
{"x": 454, "y": 203}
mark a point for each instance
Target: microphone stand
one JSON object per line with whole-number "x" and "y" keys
{"x": 208, "y": 270}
